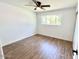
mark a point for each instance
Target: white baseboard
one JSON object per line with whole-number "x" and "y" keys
{"x": 16, "y": 40}
{"x": 55, "y": 37}
{"x": 1, "y": 52}
{"x": 27, "y": 37}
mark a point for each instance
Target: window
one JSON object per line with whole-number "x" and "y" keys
{"x": 51, "y": 20}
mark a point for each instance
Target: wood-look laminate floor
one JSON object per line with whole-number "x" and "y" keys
{"x": 39, "y": 47}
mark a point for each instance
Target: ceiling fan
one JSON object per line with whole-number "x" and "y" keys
{"x": 38, "y": 4}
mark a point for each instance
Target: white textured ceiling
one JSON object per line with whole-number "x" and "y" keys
{"x": 55, "y": 4}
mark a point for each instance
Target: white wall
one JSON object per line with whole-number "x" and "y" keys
{"x": 15, "y": 23}
{"x": 64, "y": 31}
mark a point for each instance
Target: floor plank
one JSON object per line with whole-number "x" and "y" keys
{"x": 39, "y": 47}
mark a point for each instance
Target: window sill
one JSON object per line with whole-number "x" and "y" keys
{"x": 50, "y": 25}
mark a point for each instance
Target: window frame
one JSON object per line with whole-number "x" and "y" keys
{"x": 55, "y": 20}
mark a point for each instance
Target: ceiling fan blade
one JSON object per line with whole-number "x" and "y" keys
{"x": 34, "y": 1}
{"x": 42, "y": 8}
{"x": 45, "y": 5}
